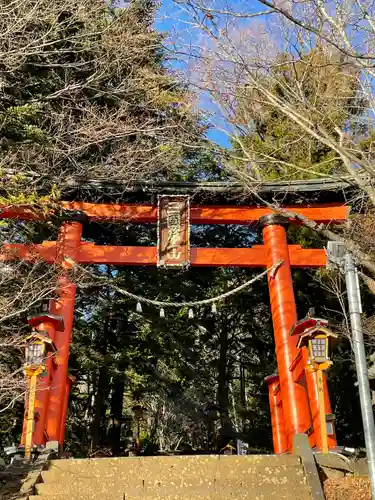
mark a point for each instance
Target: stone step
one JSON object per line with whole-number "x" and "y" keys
{"x": 117, "y": 487}
{"x": 148, "y": 471}
{"x": 202, "y": 460}
{"x": 151, "y": 466}
{"x": 138, "y": 480}
{"x": 265, "y": 492}
{"x": 199, "y": 477}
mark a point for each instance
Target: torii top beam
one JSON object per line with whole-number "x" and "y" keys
{"x": 127, "y": 212}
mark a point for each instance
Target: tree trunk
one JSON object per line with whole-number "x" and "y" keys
{"x": 96, "y": 426}
{"x": 117, "y": 402}
{"x": 101, "y": 387}
{"x": 226, "y": 430}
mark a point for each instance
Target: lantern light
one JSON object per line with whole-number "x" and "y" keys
{"x": 318, "y": 347}
{"x": 35, "y": 353}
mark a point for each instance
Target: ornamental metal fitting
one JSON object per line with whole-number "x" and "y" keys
{"x": 274, "y": 220}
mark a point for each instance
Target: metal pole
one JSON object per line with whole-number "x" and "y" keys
{"x": 355, "y": 310}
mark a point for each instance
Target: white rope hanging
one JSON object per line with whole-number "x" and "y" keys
{"x": 162, "y": 304}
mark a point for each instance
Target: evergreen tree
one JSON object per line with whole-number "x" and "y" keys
{"x": 85, "y": 93}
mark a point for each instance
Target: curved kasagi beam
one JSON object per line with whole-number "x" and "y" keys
{"x": 139, "y": 214}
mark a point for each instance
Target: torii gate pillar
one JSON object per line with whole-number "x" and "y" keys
{"x": 68, "y": 245}
{"x": 277, "y": 414}
{"x": 296, "y": 409}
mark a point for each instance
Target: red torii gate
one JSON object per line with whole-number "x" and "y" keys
{"x": 293, "y": 392}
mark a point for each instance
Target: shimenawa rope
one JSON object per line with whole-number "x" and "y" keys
{"x": 158, "y": 303}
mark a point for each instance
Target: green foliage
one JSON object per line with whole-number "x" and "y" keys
{"x": 20, "y": 123}
{"x": 15, "y": 189}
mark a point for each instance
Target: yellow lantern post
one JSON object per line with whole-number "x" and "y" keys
{"x": 32, "y": 375}
{"x": 37, "y": 345}
{"x": 318, "y": 339}
{"x": 322, "y": 410}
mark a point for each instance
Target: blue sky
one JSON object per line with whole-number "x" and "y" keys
{"x": 173, "y": 19}
{"x": 168, "y": 21}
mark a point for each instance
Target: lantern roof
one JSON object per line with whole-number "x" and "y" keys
{"x": 39, "y": 337}
{"x": 305, "y": 323}
{"x": 45, "y": 317}
{"x": 313, "y": 332}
